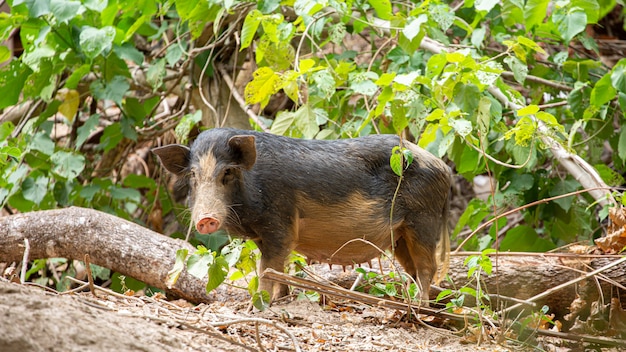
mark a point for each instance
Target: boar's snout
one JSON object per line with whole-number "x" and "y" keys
{"x": 207, "y": 224}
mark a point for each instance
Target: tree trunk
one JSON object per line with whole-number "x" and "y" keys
{"x": 133, "y": 250}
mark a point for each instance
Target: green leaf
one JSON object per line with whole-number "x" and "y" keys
{"x": 77, "y": 75}
{"x": 531, "y": 44}
{"x": 306, "y": 121}
{"x": 156, "y": 73}
{"x": 528, "y": 110}
{"x": 398, "y": 115}
{"x": 42, "y": 142}
{"x": 199, "y": 262}
{"x": 139, "y": 181}
{"x": 396, "y": 161}
{"x": 520, "y": 69}
{"x": 179, "y": 266}
{"x": 174, "y": 53}
{"x": 603, "y": 92}
{"x": 12, "y": 78}
{"x": 534, "y": 12}
{"x": 324, "y": 84}
{"x": 621, "y": 145}
{"x": 217, "y": 273}
{"x": 65, "y": 10}
{"x": 111, "y": 136}
{"x": 574, "y": 22}
{"x": 362, "y": 83}
{"x": 261, "y": 300}
{"x": 467, "y": 97}
{"x": 563, "y": 187}
{"x": 5, "y": 53}
{"x": 382, "y": 7}
{"x": 95, "y": 41}
{"x": 268, "y": 6}
{"x": 524, "y": 239}
{"x": 85, "y": 130}
{"x": 284, "y": 120}
{"x": 250, "y": 26}
{"x": 185, "y": 125}
{"x": 461, "y": 126}
{"x": 485, "y": 5}
{"x": 435, "y": 65}
{"x": 609, "y": 176}
{"x": 307, "y": 8}
{"x": 113, "y": 90}
{"x": 478, "y": 35}
{"x": 618, "y": 76}
{"x": 591, "y": 8}
{"x": 36, "y": 8}
{"x": 390, "y": 289}
{"x": 127, "y": 51}
{"x": 128, "y": 194}
{"x": 96, "y": 5}
{"x": 232, "y": 252}
{"x": 35, "y": 190}
{"x": 67, "y": 165}
{"x": 264, "y": 84}
{"x": 412, "y": 29}
{"x": 253, "y": 285}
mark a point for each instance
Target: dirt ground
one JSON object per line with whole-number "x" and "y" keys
{"x": 32, "y": 319}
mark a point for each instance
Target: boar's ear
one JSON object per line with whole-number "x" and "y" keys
{"x": 174, "y": 157}
{"x": 244, "y": 150}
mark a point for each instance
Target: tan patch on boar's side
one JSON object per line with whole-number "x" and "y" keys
{"x": 323, "y": 229}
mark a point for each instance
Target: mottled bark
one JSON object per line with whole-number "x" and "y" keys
{"x": 111, "y": 242}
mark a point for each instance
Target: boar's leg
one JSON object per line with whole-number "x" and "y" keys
{"x": 417, "y": 258}
{"x": 274, "y": 253}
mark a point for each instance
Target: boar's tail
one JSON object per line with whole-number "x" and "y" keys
{"x": 443, "y": 247}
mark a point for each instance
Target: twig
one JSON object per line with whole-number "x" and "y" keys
{"x": 257, "y": 336}
{"x": 25, "y": 261}
{"x": 239, "y": 98}
{"x": 584, "y": 338}
{"x": 543, "y": 81}
{"x": 90, "y": 275}
{"x": 341, "y": 292}
{"x": 563, "y": 285}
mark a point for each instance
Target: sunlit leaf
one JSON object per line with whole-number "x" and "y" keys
{"x": 382, "y": 7}
{"x": 179, "y": 266}
{"x": 70, "y": 99}
{"x": 95, "y": 41}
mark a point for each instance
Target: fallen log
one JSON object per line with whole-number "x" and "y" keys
{"x": 111, "y": 242}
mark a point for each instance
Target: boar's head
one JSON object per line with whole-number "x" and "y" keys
{"x": 213, "y": 170}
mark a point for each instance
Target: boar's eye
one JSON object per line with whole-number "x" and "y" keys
{"x": 228, "y": 176}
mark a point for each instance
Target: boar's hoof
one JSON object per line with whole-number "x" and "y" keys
{"x": 207, "y": 224}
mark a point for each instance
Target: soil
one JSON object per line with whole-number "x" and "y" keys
{"x": 33, "y": 319}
